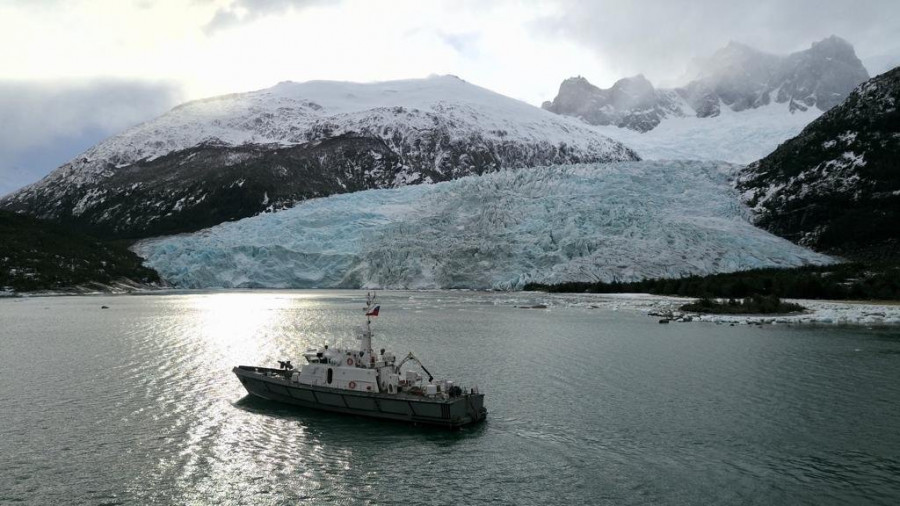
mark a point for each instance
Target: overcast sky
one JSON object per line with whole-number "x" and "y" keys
{"x": 76, "y": 71}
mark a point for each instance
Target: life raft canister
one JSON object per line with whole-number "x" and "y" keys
{"x": 352, "y": 385}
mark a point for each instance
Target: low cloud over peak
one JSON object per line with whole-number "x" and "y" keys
{"x": 47, "y": 123}
{"x": 241, "y": 11}
{"x": 658, "y": 37}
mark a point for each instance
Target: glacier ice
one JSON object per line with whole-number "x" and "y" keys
{"x": 737, "y": 137}
{"x": 618, "y": 221}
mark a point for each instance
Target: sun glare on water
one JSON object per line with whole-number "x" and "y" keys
{"x": 244, "y": 327}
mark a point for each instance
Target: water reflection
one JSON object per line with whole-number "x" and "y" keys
{"x": 239, "y": 325}
{"x": 137, "y": 404}
{"x": 216, "y": 454}
{"x": 224, "y": 446}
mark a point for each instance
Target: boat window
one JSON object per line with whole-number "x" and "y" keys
{"x": 330, "y": 374}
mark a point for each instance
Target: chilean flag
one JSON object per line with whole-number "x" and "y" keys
{"x": 373, "y": 311}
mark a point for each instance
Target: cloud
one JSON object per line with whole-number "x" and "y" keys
{"x": 45, "y": 124}
{"x": 58, "y": 107}
{"x": 466, "y": 44}
{"x": 659, "y": 38}
{"x": 245, "y": 11}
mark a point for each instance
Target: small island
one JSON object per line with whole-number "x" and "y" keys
{"x": 756, "y": 304}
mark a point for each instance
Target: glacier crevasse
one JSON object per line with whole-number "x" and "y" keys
{"x": 618, "y": 221}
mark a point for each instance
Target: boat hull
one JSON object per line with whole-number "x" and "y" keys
{"x": 276, "y": 385}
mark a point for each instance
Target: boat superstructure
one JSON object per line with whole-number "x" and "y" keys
{"x": 361, "y": 382}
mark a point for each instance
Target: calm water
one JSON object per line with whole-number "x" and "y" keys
{"x": 136, "y": 404}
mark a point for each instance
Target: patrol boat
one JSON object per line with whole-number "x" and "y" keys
{"x": 360, "y": 382}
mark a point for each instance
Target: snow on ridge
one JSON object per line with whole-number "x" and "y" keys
{"x": 736, "y": 137}
{"x": 286, "y": 113}
{"x": 618, "y": 221}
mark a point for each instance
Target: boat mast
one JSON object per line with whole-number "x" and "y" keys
{"x": 371, "y": 310}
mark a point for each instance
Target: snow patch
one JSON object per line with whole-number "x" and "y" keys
{"x": 820, "y": 312}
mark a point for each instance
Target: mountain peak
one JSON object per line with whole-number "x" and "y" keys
{"x": 832, "y": 41}
{"x": 836, "y": 48}
{"x": 735, "y": 59}
{"x": 576, "y": 82}
{"x": 734, "y": 46}
{"x": 632, "y": 102}
{"x": 447, "y": 77}
{"x": 638, "y": 79}
{"x": 633, "y": 92}
{"x": 238, "y": 155}
{"x": 737, "y": 75}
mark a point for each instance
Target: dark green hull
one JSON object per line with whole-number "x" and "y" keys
{"x": 275, "y": 385}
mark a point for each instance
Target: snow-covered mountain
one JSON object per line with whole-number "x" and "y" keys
{"x": 735, "y": 78}
{"x": 836, "y": 186}
{"x": 234, "y": 156}
{"x": 615, "y": 221}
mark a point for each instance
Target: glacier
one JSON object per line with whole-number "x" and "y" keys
{"x": 737, "y": 137}
{"x": 620, "y": 221}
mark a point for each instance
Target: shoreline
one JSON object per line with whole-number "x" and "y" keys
{"x": 121, "y": 287}
{"x": 819, "y": 312}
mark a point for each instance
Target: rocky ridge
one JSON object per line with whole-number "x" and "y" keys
{"x": 836, "y": 186}
{"x": 737, "y": 77}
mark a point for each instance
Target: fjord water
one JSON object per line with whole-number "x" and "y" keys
{"x": 137, "y": 404}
